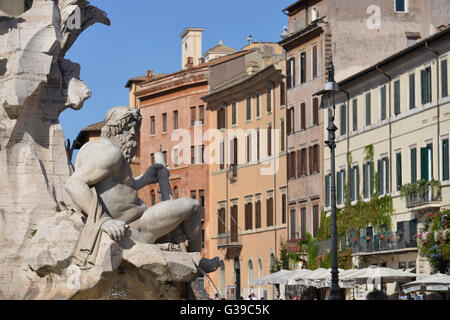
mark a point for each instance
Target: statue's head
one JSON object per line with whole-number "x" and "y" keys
{"x": 122, "y": 125}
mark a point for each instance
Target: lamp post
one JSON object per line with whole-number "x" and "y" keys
{"x": 331, "y": 87}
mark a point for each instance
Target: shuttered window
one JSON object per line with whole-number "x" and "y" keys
{"x": 290, "y": 73}
{"x": 234, "y": 224}
{"x": 425, "y": 76}
{"x": 269, "y": 141}
{"x": 315, "y": 220}
{"x": 303, "y": 67}
{"x": 290, "y": 120}
{"x": 258, "y": 214}
{"x": 426, "y": 162}
{"x": 412, "y": 91}
{"x": 311, "y": 159}
{"x": 283, "y": 208}
{"x": 293, "y": 225}
{"x": 315, "y": 111}
{"x": 397, "y": 97}
{"x": 368, "y": 109}
{"x": 340, "y": 187}
{"x": 383, "y": 176}
{"x": 221, "y": 220}
{"x": 269, "y": 99}
{"x": 193, "y": 116}
{"x": 248, "y": 216}
{"x": 258, "y": 104}
{"x": 343, "y": 119}
{"x": 269, "y": 203}
{"x": 302, "y": 116}
{"x": 233, "y": 114}
{"x": 303, "y": 222}
{"x": 444, "y": 78}
{"x": 354, "y": 183}
{"x": 249, "y": 107}
{"x": 164, "y": 118}
{"x": 327, "y": 190}
{"x": 299, "y": 163}
{"x": 398, "y": 160}
{"x": 445, "y": 160}
{"x": 383, "y": 102}
{"x": 314, "y": 61}
{"x": 355, "y": 114}
{"x": 413, "y": 157}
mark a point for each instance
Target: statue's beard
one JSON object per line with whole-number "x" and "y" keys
{"x": 128, "y": 146}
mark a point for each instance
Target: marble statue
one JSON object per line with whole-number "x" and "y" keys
{"x": 82, "y": 234}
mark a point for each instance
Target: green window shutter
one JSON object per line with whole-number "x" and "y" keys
{"x": 445, "y": 160}
{"x": 343, "y": 119}
{"x": 430, "y": 156}
{"x": 444, "y": 78}
{"x": 368, "y": 109}
{"x": 413, "y": 165}
{"x": 386, "y": 174}
{"x": 423, "y": 86}
{"x": 327, "y": 190}
{"x": 350, "y": 184}
{"x": 344, "y": 183}
{"x": 357, "y": 183}
{"x": 398, "y": 159}
{"x": 380, "y": 176}
{"x": 383, "y": 103}
{"x": 424, "y": 164}
{"x": 412, "y": 91}
{"x": 397, "y": 97}
{"x": 371, "y": 178}
{"x": 365, "y": 181}
{"x": 355, "y": 115}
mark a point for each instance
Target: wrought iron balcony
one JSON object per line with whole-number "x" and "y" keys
{"x": 423, "y": 198}
{"x": 229, "y": 239}
{"x": 384, "y": 241}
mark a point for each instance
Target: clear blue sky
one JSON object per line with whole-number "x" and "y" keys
{"x": 144, "y": 34}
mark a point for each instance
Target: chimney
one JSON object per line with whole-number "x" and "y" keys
{"x": 149, "y": 75}
{"x": 189, "y": 64}
{"x": 191, "y": 46}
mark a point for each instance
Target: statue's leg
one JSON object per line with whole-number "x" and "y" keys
{"x": 165, "y": 216}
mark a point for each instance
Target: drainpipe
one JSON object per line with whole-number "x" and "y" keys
{"x": 438, "y": 109}
{"x": 390, "y": 129}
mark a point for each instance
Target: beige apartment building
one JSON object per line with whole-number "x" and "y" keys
{"x": 400, "y": 109}
{"x": 357, "y": 34}
{"x": 248, "y": 196}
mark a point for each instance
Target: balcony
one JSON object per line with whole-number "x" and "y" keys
{"x": 422, "y": 194}
{"x": 231, "y": 241}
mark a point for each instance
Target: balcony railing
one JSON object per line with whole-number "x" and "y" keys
{"x": 422, "y": 193}
{"x": 229, "y": 239}
{"x": 384, "y": 241}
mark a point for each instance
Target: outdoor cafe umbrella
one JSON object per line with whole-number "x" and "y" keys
{"x": 434, "y": 282}
{"x": 265, "y": 279}
{"x": 291, "y": 278}
{"x": 343, "y": 281}
{"x": 381, "y": 273}
{"x": 314, "y": 278}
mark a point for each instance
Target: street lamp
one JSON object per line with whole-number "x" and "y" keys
{"x": 331, "y": 87}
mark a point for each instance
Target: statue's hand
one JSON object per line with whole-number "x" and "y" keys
{"x": 151, "y": 173}
{"x": 115, "y": 229}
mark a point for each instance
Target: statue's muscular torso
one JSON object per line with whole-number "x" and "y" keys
{"x": 116, "y": 189}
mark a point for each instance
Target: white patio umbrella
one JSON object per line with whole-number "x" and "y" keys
{"x": 343, "y": 282}
{"x": 292, "y": 278}
{"x": 434, "y": 282}
{"x": 265, "y": 279}
{"x": 314, "y": 278}
{"x": 382, "y": 274}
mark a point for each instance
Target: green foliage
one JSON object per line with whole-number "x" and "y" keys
{"x": 434, "y": 240}
{"x": 310, "y": 249}
{"x": 420, "y": 187}
{"x": 283, "y": 262}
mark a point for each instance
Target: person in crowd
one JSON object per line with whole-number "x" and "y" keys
{"x": 377, "y": 295}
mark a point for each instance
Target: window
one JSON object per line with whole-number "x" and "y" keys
{"x": 400, "y": 6}
{"x": 398, "y": 165}
{"x": 258, "y": 104}
{"x": 315, "y": 220}
{"x": 164, "y": 116}
{"x": 314, "y": 61}
{"x": 445, "y": 160}
{"x": 382, "y": 102}
{"x": 303, "y": 222}
{"x": 412, "y": 91}
{"x": 314, "y": 159}
{"x": 258, "y": 148}
{"x": 221, "y": 220}
{"x": 367, "y": 180}
{"x": 327, "y": 190}
{"x": 249, "y": 148}
{"x": 233, "y": 113}
{"x": 290, "y": 73}
{"x": 282, "y": 138}
{"x": 192, "y": 154}
{"x": 234, "y": 151}
{"x": 152, "y": 158}
{"x": 293, "y": 226}
{"x": 165, "y": 156}
{"x": 383, "y": 176}
{"x": 354, "y": 183}
{"x": 282, "y": 94}
{"x": 221, "y": 118}
{"x": 234, "y": 224}
{"x": 248, "y": 216}
{"x": 291, "y": 165}
{"x": 413, "y": 158}
{"x": 202, "y": 153}
{"x": 283, "y": 208}
{"x": 425, "y": 76}
{"x": 397, "y": 97}
{"x": 368, "y": 109}
{"x": 201, "y": 116}
{"x": 269, "y": 140}
{"x": 302, "y": 116}
{"x": 269, "y": 99}
{"x": 426, "y": 162}
{"x": 340, "y": 187}
{"x": 269, "y": 208}
{"x": 193, "y": 116}
{"x": 343, "y": 120}
{"x": 222, "y": 155}
{"x": 175, "y": 157}
{"x": 444, "y": 78}
{"x": 193, "y": 194}
{"x": 355, "y": 114}
{"x": 303, "y": 67}
{"x": 153, "y": 197}
{"x": 258, "y": 214}
{"x": 152, "y": 125}
{"x": 175, "y": 120}
{"x": 303, "y": 163}
{"x": 249, "y": 107}
{"x": 175, "y": 192}
{"x": 290, "y": 120}
{"x": 315, "y": 119}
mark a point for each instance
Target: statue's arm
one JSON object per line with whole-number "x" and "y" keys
{"x": 95, "y": 169}
{"x": 149, "y": 177}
